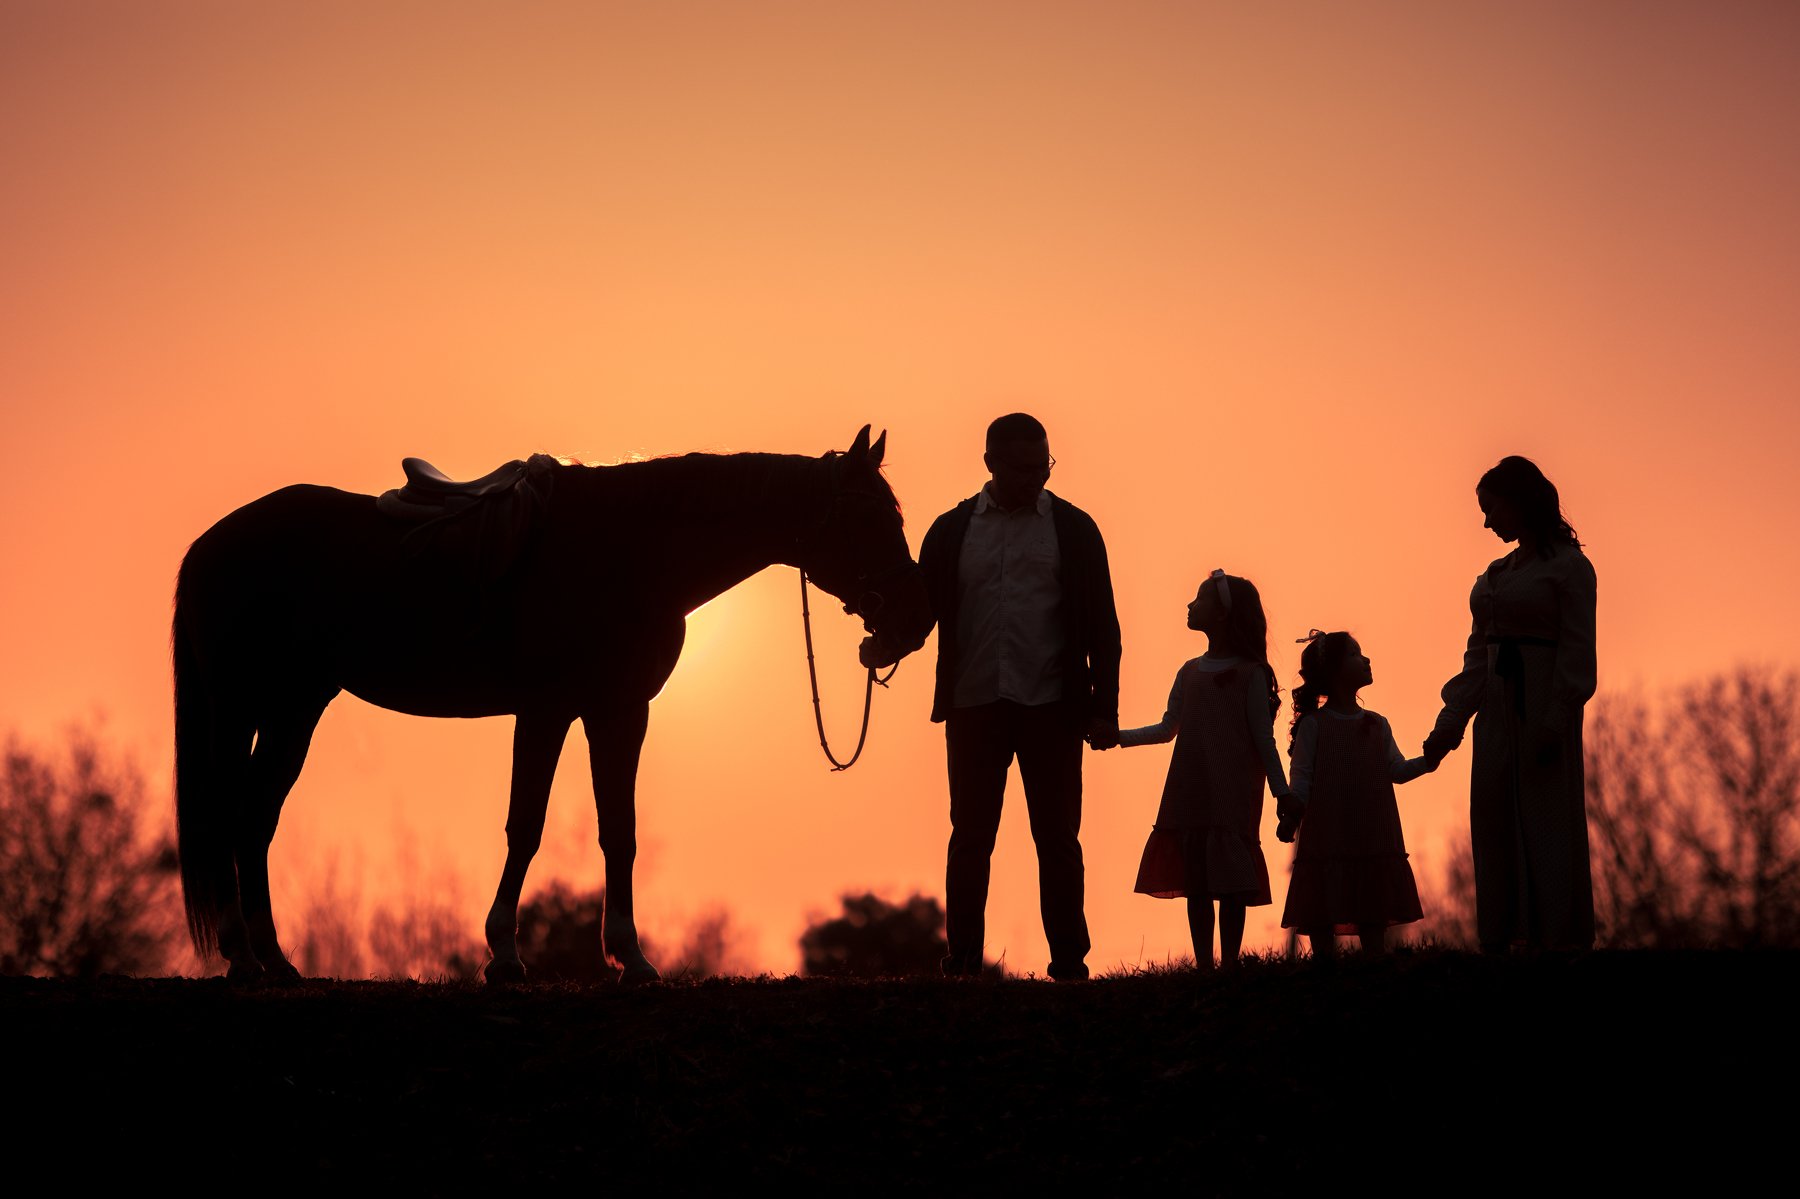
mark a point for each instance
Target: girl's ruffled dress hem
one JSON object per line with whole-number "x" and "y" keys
{"x": 1343, "y": 893}
{"x": 1224, "y": 866}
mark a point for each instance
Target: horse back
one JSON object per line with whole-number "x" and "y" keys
{"x": 314, "y": 581}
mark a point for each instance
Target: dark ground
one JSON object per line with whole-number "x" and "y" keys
{"x": 1431, "y": 1072}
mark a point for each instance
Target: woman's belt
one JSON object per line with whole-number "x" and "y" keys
{"x": 1509, "y": 663}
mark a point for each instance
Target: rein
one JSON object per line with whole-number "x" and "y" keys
{"x": 812, "y": 672}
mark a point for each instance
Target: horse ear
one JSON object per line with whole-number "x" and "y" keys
{"x": 859, "y": 449}
{"x": 878, "y": 449}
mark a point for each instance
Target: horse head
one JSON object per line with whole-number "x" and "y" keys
{"x": 858, "y": 552}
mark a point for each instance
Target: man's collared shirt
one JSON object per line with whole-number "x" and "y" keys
{"x": 1009, "y": 635}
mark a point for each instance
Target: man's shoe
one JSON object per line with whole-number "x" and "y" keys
{"x": 1067, "y": 973}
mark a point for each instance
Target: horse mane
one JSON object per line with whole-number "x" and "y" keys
{"x": 707, "y": 483}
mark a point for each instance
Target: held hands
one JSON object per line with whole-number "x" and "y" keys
{"x": 1289, "y": 810}
{"x": 1102, "y": 733}
{"x": 1441, "y": 742}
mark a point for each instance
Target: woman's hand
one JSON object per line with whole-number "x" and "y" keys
{"x": 1440, "y": 743}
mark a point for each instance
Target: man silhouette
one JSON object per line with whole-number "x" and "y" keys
{"x": 1028, "y": 664}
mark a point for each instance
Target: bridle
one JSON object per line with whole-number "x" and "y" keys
{"x": 812, "y": 674}
{"x": 869, "y": 601}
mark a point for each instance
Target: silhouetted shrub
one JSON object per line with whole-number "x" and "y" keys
{"x": 423, "y": 931}
{"x": 1448, "y": 899}
{"x": 559, "y": 935}
{"x": 710, "y": 947}
{"x": 420, "y": 932}
{"x": 330, "y": 943}
{"x": 876, "y": 939}
{"x": 560, "y": 940}
{"x": 1694, "y": 814}
{"x": 82, "y": 890}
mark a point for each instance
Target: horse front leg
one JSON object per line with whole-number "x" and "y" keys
{"x": 615, "y": 743}
{"x": 537, "y": 744}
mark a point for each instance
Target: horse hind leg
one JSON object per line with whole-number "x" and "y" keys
{"x": 537, "y": 744}
{"x": 615, "y": 743}
{"x": 232, "y": 747}
{"x": 281, "y": 747}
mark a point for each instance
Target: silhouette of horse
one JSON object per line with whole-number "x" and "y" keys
{"x": 310, "y": 591}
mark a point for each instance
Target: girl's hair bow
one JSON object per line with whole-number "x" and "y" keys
{"x": 1224, "y": 587}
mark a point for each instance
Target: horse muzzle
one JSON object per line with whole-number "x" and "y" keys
{"x": 898, "y": 607}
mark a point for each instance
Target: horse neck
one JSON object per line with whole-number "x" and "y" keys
{"x": 715, "y": 520}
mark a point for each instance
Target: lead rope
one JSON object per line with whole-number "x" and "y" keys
{"x": 812, "y": 672}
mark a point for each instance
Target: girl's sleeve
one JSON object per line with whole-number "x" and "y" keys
{"x": 1262, "y": 730}
{"x": 1572, "y": 683}
{"x": 1401, "y": 769}
{"x": 1462, "y": 694}
{"x": 1164, "y": 729}
{"x": 1301, "y": 756}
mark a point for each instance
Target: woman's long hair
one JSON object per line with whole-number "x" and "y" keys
{"x": 1519, "y": 481}
{"x": 1247, "y": 628}
{"x": 1320, "y": 663}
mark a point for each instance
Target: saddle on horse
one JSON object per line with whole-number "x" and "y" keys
{"x": 481, "y": 526}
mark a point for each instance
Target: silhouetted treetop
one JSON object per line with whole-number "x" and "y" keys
{"x": 82, "y": 890}
{"x": 876, "y": 939}
{"x": 1693, "y": 804}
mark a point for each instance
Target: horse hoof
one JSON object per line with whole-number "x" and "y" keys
{"x": 639, "y": 974}
{"x": 246, "y": 972}
{"x": 282, "y": 974}
{"x": 499, "y": 973}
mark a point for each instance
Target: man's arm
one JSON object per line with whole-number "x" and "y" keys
{"x": 879, "y": 652}
{"x": 1104, "y": 641}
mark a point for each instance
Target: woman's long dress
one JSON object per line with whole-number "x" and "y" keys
{"x": 1527, "y": 673}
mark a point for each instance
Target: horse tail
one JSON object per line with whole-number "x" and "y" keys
{"x": 202, "y": 825}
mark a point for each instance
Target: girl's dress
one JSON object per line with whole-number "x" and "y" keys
{"x": 1350, "y": 866}
{"x": 1527, "y": 673}
{"x": 1206, "y": 841}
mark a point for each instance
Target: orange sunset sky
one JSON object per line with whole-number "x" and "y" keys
{"x": 1281, "y": 279}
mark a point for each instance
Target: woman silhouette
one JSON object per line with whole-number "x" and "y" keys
{"x": 1527, "y": 672}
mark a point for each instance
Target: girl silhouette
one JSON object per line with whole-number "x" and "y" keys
{"x": 1527, "y": 672}
{"x": 1221, "y": 716}
{"x": 1350, "y": 868}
